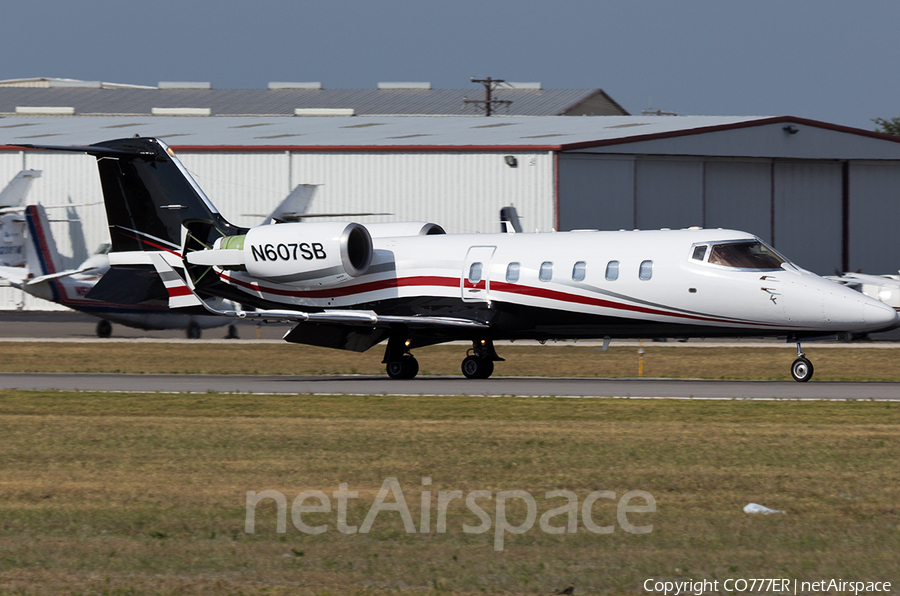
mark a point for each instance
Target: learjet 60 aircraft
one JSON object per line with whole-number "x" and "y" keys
{"x": 350, "y": 286}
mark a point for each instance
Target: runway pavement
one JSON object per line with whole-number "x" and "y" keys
{"x": 448, "y": 386}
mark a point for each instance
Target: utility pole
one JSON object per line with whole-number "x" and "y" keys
{"x": 488, "y": 103}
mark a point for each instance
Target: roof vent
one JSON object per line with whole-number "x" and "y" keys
{"x": 183, "y": 85}
{"x": 80, "y": 84}
{"x": 509, "y": 85}
{"x": 45, "y": 111}
{"x": 315, "y": 86}
{"x": 324, "y": 112}
{"x": 385, "y": 86}
{"x": 181, "y": 111}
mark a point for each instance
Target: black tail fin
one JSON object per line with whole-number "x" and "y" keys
{"x": 149, "y": 195}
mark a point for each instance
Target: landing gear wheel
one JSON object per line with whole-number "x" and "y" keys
{"x": 802, "y": 370}
{"x": 104, "y": 328}
{"x": 193, "y": 331}
{"x": 407, "y": 368}
{"x": 477, "y": 367}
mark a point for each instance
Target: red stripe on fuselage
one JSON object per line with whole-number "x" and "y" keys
{"x": 452, "y": 282}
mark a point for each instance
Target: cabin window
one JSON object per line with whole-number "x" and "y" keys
{"x": 512, "y": 272}
{"x": 699, "y": 252}
{"x": 646, "y": 271}
{"x": 752, "y": 254}
{"x": 578, "y": 271}
{"x": 612, "y": 270}
{"x": 546, "y": 273}
{"x": 475, "y": 273}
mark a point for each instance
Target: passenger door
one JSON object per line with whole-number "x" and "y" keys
{"x": 475, "y": 283}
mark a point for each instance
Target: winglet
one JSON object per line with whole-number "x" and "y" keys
{"x": 180, "y": 295}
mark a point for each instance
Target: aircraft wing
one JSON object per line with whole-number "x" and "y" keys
{"x": 51, "y": 276}
{"x": 181, "y": 295}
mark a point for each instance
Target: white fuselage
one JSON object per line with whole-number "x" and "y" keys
{"x": 563, "y": 288}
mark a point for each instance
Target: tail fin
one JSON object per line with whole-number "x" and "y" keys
{"x": 14, "y": 193}
{"x": 149, "y": 195}
{"x": 41, "y": 255}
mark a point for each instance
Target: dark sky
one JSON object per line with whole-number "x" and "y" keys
{"x": 826, "y": 60}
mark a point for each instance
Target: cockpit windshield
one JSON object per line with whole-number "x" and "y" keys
{"x": 745, "y": 255}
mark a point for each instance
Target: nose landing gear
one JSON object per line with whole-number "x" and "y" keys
{"x": 801, "y": 369}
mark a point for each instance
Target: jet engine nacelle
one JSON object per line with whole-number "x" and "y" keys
{"x": 404, "y": 228}
{"x": 318, "y": 254}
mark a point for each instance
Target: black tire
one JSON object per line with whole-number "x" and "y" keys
{"x": 232, "y": 333}
{"x": 104, "y": 328}
{"x": 407, "y": 368}
{"x": 477, "y": 367}
{"x": 193, "y": 331}
{"x": 802, "y": 370}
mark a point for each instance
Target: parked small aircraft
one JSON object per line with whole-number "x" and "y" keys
{"x": 350, "y": 286}
{"x": 885, "y": 288}
{"x": 43, "y": 277}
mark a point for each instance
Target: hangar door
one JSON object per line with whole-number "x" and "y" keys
{"x": 596, "y": 192}
{"x": 874, "y": 217}
{"x": 807, "y": 201}
{"x": 668, "y": 193}
{"x": 739, "y": 196}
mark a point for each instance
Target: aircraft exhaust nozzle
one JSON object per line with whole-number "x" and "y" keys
{"x": 226, "y": 253}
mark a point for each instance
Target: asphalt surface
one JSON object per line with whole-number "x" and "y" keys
{"x": 496, "y": 386}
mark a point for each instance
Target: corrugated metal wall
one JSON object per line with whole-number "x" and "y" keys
{"x": 739, "y": 194}
{"x": 669, "y": 193}
{"x": 596, "y": 192}
{"x": 797, "y": 205}
{"x": 808, "y": 220}
{"x": 874, "y": 218}
{"x": 461, "y": 191}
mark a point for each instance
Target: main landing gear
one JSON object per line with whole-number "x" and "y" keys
{"x": 478, "y": 363}
{"x": 801, "y": 369}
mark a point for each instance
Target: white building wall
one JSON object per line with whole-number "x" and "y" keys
{"x": 463, "y": 192}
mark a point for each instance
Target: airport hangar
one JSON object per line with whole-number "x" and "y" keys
{"x": 824, "y": 195}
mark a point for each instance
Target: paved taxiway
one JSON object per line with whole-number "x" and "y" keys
{"x": 517, "y": 386}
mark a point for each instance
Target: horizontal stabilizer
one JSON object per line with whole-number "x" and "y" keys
{"x": 180, "y": 295}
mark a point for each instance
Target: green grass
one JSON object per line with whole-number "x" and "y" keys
{"x": 145, "y": 494}
{"x": 772, "y": 363}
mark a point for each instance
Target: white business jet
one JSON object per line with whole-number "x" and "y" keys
{"x": 350, "y": 286}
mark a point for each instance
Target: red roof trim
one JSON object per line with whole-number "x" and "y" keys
{"x": 732, "y": 126}
{"x": 366, "y": 148}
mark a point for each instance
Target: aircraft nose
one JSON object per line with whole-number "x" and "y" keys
{"x": 879, "y": 315}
